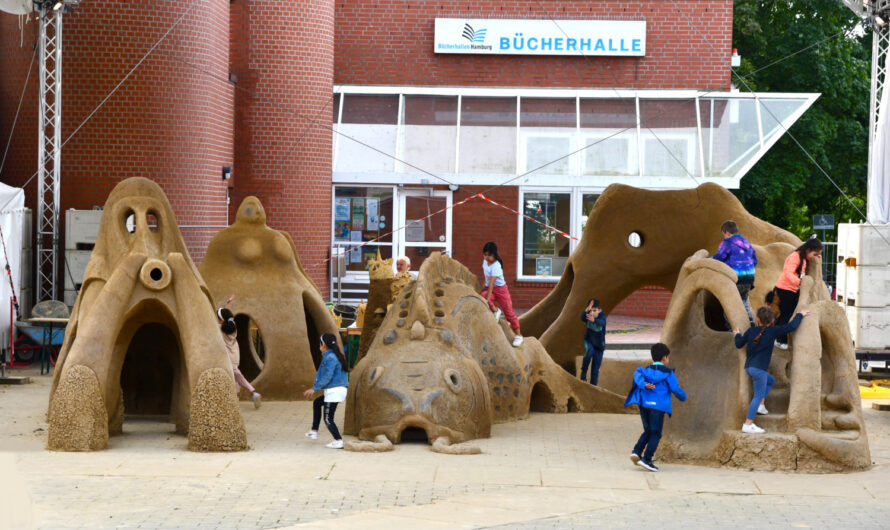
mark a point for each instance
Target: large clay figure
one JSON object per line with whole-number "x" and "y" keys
{"x": 143, "y": 337}
{"x": 815, "y": 421}
{"x": 669, "y": 226}
{"x": 442, "y": 364}
{"x": 260, "y": 266}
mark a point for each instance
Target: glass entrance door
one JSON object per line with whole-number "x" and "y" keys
{"x": 423, "y": 232}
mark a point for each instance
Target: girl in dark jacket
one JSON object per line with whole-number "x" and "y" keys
{"x": 759, "y": 353}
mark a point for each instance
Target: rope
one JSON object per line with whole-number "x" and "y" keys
{"x": 15, "y": 300}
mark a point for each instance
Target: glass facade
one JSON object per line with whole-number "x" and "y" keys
{"x": 362, "y": 214}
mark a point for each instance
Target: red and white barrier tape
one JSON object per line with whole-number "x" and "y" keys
{"x": 532, "y": 219}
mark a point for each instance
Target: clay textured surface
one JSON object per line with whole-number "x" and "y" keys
{"x": 380, "y": 296}
{"x": 441, "y": 364}
{"x": 260, "y": 266}
{"x": 815, "y": 421}
{"x": 142, "y": 335}
{"x": 672, "y": 225}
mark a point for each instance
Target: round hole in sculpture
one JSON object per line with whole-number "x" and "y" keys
{"x": 542, "y": 399}
{"x": 130, "y": 221}
{"x": 714, "y": 316}
{"x": 635, "y": 239}
{"x": 453, "y": 379}
{"x": 156, "y": 274}
{"x": 414, "y": 435}
{"x": 250, "y": 342}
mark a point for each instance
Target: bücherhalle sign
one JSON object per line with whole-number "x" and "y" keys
{"x": 540, "y": 37}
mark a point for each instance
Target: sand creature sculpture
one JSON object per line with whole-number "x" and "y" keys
{"x": 385, "y": 285}
{"x": 273, "y": 294}
{"x": 669, "y": 226}
{"x": 440, "y": 364}
{"x": 142, "y": 338}
{"x": 816, "y": 419}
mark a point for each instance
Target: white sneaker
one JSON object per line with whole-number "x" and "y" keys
{"x": 762, "y": 409}
{"x": 782, "y": 345}
{"x": 497, "y": 315}
{"x": 634, "y": 458}
{"x": 517, "y": 341}
{"x": 750, "y": 428}
{"x": 336, "y": 444}
{"x": 257, "y": 400}
{"x": 312, "y": 435}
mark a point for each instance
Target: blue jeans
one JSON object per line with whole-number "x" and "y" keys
{"x": 763, "y": 383}
{"x": 595, "y": 355}
{"x": 653, "y": 421}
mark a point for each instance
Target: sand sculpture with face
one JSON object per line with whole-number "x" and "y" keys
{"x": 260, "y": 266}
{"x": 671, "y": 226}
{"x": 441, "y": 364}
{"x": 142, "y": 338}
{"x": 816, "y": 418}
{"x": 815, "y": 421}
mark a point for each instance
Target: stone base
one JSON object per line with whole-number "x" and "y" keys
{"x": 770, "y": 452}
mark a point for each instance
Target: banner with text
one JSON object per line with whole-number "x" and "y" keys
{"x": 540, "y": 37}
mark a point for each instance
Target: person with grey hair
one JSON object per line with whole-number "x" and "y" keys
{"x": 403, "y": 264}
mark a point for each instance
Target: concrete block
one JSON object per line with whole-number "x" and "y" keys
{"x": 864, "y": 285}
{"x": 76, "y": 264}
{"x": 869, "y": 326}
{"x": 81, "y": 229}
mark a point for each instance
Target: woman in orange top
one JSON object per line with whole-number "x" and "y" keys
{"x": 788, "y": 285}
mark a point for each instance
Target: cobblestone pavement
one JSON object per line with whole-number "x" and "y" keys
{"x": 550, "y": 471}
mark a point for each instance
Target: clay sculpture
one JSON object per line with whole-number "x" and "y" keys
{"x": 441, "y": 364}
{"x": 669, "y": 226}
{"x": 142, "y": 337}
{"x": 815, "y": 421}
{"x": 379, "y": 298}
{"x": 260, "y": 266}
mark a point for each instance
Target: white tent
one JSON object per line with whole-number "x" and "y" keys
{"x": 17, "y": 7}
{"x": 878, "y": 177}
{"x": 12, "y": 211}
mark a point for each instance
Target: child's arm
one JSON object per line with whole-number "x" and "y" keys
{"x": 324, "y": 375}
{"x": 740, "y": 340}
{"x": 674, "y": 385}
{"x": 791, "y": 326}
{"x": 723, "y": 251}
{"x": 490, "y": 288}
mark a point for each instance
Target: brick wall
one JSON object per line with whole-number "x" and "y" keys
{"x": 391, "y": 43}
{"x": 648, "y": 302}
{"x": 283, "y": 58}
{"x": 168, "y": 121}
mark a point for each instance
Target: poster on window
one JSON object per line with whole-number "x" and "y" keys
{"x": 372, "y": 213}
{"x": 341, "y": 209}
{"x": 341, "y": 230}
{"x": 358, "y": 214}
{"x": 414, "y": 230}
{"x": 543, "y": 266}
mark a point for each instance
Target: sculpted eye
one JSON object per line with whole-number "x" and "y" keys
{"x": 375, "y": 375}
{"x": 453, "y": 379}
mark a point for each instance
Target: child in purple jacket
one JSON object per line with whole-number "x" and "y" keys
{"x": 738, "y": 253}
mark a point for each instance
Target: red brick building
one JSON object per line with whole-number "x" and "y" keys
{"x": 349, "y": 119}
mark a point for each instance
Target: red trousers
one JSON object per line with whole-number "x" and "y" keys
{"x": 501, "y": 296}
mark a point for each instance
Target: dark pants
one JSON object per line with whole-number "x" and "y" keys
{"x": 787, "y": 305}
{"x": 329, "y": 409}
{"x": 595, "y": 355}
{"x": 653, "y": 421}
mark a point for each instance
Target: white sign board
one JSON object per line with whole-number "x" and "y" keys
{"x": 540, "y": 37}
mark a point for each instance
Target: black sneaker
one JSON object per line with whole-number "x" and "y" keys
{"x": 647, "y": 465}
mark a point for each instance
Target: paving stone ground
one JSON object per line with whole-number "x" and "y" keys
{"x": 550, "y": 471}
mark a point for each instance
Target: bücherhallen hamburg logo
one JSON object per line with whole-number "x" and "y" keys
{"x": 540, "y": 37}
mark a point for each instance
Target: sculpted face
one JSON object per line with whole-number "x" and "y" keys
{"x": 142, "y": 335}
{"x": 275, "y": 302}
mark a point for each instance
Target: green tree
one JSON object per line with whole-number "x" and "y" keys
{"x": 785, "y": 187}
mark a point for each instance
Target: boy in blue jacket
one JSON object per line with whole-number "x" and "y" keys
{"x": 594, "y": 340}
{"x": 651, "y": 391}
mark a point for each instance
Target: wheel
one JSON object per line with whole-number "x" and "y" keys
{"x": 25, "y": 355}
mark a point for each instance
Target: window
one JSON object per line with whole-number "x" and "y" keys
{"x": 488, "y": 135}
{"x": 545, "y": 252}
{"x": 669, "y": 129}
{"x": 429, "y": 133}
{"x": 609, "y": 136}
{"x": 587, "y": 202}
{"x": 362, "y": 214}
{"x": 547, "y": 127}
{"x": 368, "y": 120}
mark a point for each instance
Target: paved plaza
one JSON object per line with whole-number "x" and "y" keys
{"x": 550, "y": 471}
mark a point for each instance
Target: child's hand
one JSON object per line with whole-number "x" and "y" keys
{"x": 804, "y": 312}
{"x": 229, "y": 299}
{"x": 308, "y": 393}
{"x": 650, "y": 386}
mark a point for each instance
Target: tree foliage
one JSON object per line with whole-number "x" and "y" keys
{"x": 785, "y": 187}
